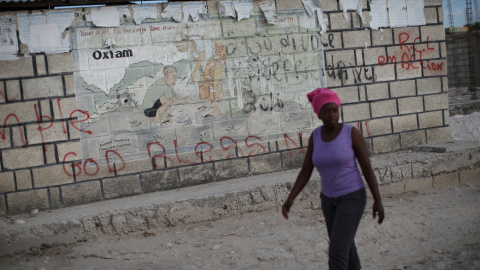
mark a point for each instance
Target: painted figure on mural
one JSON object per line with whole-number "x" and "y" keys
{"x": 161, "y": 96}
{"x": 211, "y": 88}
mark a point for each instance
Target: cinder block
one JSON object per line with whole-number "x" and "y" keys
{"x": 438, "y": 135}
{"x": 264, "y": 124}
{"x": 392, "y": 189}
{"x": 24, "y": 179}
{"x": 441, "y": 15}
{"x": 45, "y": 110}
{"x": 236, "y": 128}
{"x": 343, "y": 58}
{"x": 356, "y": 112}
{"x": 81, "y": 193}
{"x": 265, "y": 163}
{"x": 410, "y": 105}
{"x": 91, "y": 169}
{"x": 22, "y": 67}
{"x": 13, "y": 90}
{"x": 356, "y": 39}
{"x": 24, "y": 111}
{"x": 42, "y": 87}
{"x": 285, "y": 141}
{"x": 372, "y": 55}
{"x": 446, "y": 180}
{"x": 409, "y": 70}
{"x": 377, "y": 91}
{"x": 55, "y": 201}
{"x": 216, "y": 152}
{"x": 60, "y": 63}
{"x": 430, "y": 119}
{"x": 69, "y": 85}
{"x": 429, "y": 86}
{"x": 383, "y": 37}
{"x": 26, "y": 201}
{"x": 443, "y": 51}
{"x": 329, "y": 5}
{"x": 419, "y": 184}
{"x": 49, "y": 152}
{"x": 436, "y": 102}
{"x": 22, "y": 157}
{"x": 5, "y": 142}
{"x": 405, "y": 35}
{"x": 18, "y": 136}
{"x": 41, "y": 65}
{"x": 51, "y": 132}
{"x": 377, "y": 127}
{"x": 384, "y": 108}
{"x": 409, "y": 139}
{"x": 121, "y": 186}
{"x": 470, "y": 176}
{"x": 402, "y": 88}
{"x": 293, "y": 159}
{"x": 63, "y": 108}
{"x": 160, "y": 180}
{"x": 429, "y": 3}
{"x": 196, "y": 174}
{"x": 51, "y": 176}
{"x": 385, "y": 144}
{"x": 338, "y": 22}
{"x": 433, "y": 32}
{"x": 347, "y": 94}
{"x": 431, "y": 15}
{"x": 7, "y": 182}
{"x": 3, "y": 206}
{"x": 212, "y": 6}
{"x": 134, "y": 166}
{"x": 384, "y": 73}
{"x": 295, "y": 121}
{"x": 191, "y": 135}
{"x": 243, "y": 28}
{"x": 231, "y": 168}
{"x": 405, "y": 123}
{"x": 436, "y": 68}
{"x": 332, "y": 40}
{"x": 69, "y": 147}
{"x": 429, "y": 50}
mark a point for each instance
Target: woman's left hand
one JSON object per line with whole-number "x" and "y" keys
{"x": 378, "y": 209}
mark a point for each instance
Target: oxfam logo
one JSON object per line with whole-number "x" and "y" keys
{"x": 97, "y": 55}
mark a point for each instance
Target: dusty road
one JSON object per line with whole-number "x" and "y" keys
{"x": 437, "y": 229}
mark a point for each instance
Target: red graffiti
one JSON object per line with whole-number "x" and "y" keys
{"x": 198, "y": 153}
{"x": 2, "y": 133}
{"x": 226, "y": 148}
{"x": 410, "y": 53}
{"x": 72, "y": 122}
{"x": 254, "y": 144}
{"x": 287, "y": 138}
{"x": 40, "y": 121}
{"x": 61, "y": 115}
{"x": 110, "y": 169}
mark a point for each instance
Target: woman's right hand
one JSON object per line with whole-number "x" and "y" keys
{"x": 286, "y": 208}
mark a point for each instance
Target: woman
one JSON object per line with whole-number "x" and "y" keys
{"x": 332, "y": 149}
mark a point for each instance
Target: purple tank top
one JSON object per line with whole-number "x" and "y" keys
{"x": 336, "y": 163}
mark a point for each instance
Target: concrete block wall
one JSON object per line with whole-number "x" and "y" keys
{"x": 460, "y": 40}
{"x": 392, "y": 83}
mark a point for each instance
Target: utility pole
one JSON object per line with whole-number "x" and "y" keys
{"x": 453, "y": 44}
{"x": 471, "y": 57}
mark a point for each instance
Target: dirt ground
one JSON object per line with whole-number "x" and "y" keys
{"x": 435, "y": 229}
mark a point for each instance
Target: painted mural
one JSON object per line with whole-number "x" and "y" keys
{"x": 181, "y": 83}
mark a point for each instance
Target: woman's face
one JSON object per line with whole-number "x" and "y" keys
{"x": 329, "y": 114}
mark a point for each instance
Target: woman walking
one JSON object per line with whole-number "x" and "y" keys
{"x": 333, "y": 149}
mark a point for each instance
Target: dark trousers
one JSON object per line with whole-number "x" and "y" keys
{"x": 343, "y": 215}
{"x": 153, "y": 111}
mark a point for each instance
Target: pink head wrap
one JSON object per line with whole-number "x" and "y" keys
{"x": 322, "y": 96}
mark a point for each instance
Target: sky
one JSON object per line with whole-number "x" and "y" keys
{"x": 459, "y": 12}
